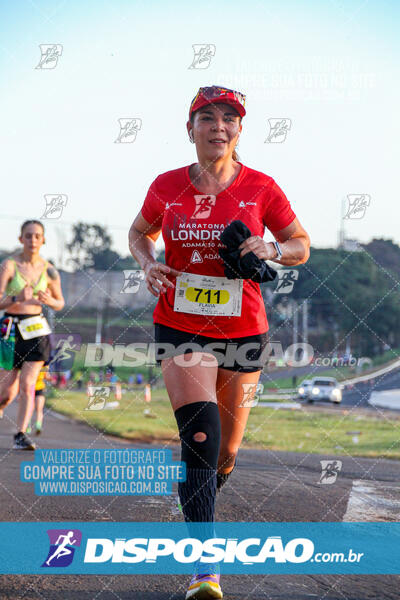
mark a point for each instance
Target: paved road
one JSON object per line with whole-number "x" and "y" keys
{"x": 360, "y": 393}
{"x": 266, "y": 486}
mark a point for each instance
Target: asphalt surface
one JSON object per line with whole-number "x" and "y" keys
{"x": 355, "y": 396}
{"x": 265, "y": 486}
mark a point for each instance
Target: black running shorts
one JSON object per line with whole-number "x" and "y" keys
{"x": 246, "y": 354}
{"x": 36, "y": 349}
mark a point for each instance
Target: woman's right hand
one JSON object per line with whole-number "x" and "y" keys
{"x": 25, "y": 294}
{"x": 156, "y": 279}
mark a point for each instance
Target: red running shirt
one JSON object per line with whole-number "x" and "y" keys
{"x": 191, "y": 225}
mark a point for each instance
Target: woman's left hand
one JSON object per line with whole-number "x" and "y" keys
{"x": 45, "y": 298}
{"x": 262, "y": 249}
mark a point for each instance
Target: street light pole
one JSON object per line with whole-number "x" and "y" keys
{"x": 305, "y": 321}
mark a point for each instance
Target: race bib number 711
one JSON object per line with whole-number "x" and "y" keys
{"x": 205, "y": 295}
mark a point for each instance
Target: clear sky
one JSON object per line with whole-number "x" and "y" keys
{"x": 330, "y": 66}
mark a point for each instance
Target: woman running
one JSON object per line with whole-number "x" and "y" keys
{"x": 198, "y": 306}
{"x": 39, "y": 401}
{"x": 27, "y": 282}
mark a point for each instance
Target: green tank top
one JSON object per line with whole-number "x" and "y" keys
{"x": 18, "y": 282}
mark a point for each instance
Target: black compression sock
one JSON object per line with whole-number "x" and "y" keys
{"x": 197, "y": 495}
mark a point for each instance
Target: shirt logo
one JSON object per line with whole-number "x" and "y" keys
{"x": 62, "y": 547}
{"x": 242, "y": 204}
{"x": 196, "y": 258}
{"x": 204, "y": 204}
{"x": 168, "y": 205}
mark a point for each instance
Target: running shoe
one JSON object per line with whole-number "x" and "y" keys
{"x": 29, "y": 429}
{"x": 22, "y": 442}
{"x": 204, "y": 587}
{"x": 1, "y": 410}
{"x": 38, "y": 427}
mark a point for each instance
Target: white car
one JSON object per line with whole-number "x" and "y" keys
{"x": 324, "y": 388}
{"x": 303, "y": 389}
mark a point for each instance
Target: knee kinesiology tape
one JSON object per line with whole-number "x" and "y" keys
{"x": 199, "y": 417}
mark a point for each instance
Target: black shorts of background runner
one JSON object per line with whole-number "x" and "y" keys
{"x": 176, "y": 337}
{"x": 35, "y": 349}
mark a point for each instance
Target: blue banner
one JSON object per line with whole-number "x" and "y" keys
{"x": 250, "y": 548}
{"x": 103, "y": 472}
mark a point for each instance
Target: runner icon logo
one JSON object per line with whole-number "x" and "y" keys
{"x": 98, "y": 396}
{"x": 128, "y": 129}
{"x": 132, "y": 281}
{"x": 358, "y": 204}
{"x": 278, "y": 130}
{"x": 330, "y": 471}
{"x": 204, "y": 204}
{"x": 286, "y": 281}
{"x": 63, "y": 543}
{"x": 64, "y": 349}
{"x": 202, "y": 55}
{"x": 50, "y": 54}
{"x": 251, "y": 394}
{"x": 55, "y": 203}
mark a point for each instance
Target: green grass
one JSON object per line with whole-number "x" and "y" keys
{"x": 386, "y": 357}
{"x": 340, "y": 373}
{"x": 289, "y": 430}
